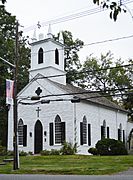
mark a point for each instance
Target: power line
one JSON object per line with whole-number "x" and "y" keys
{"x": 87, "y": 71}
{"x": 84, "y": 92}
{"x": 73, "y": 16}
{"x": 109, "y": 40}
{"x": 61, "y": 100}
{"x": 90, "y": 44}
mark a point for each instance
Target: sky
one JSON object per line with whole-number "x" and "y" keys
{"x": 90, "y": 28}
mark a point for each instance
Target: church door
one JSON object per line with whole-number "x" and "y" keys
{"x": 38, "y": 138}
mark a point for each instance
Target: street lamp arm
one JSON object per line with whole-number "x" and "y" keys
{"x": 10, "y": 64}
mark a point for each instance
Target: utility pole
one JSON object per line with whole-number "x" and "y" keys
{"x": 15, "y": 114}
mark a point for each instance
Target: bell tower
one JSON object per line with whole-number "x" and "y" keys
{"x": 47, "y": 57}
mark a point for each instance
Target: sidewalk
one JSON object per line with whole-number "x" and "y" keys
{"x": 128, "y": 172}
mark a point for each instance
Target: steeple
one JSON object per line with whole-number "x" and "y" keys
{"x": 34, "y": 38}
{"x": 61, "y": 39}
{"x": 49, "y": 34}
{"x": 47, "y": 57}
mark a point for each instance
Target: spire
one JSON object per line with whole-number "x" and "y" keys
{"x": 34, "y": 38}
{"x": 49, "y": 34}
{"x": 61, "y": 39}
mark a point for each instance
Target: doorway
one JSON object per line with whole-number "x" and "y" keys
{"x": 38, "y": 138}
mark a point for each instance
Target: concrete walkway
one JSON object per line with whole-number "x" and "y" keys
{"x": 128, "y": 172}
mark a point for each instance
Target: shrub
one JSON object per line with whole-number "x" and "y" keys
{"x": 93, "y": 151}
{"x": 45, "y": 152}
{"x": 30, "y": 153}
{"x": 2, "y": 151}
{"x": 110, "y": 147}
{"x": 23, "y": 153}
{"x": 68, "y": 149}
{"x": 54, "y": 152}
{"x": 10, "y": 153}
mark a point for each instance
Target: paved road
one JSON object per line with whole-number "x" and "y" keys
{"x": 68, "y": 177}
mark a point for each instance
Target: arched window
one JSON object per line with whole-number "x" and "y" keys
{"x": 83, "y": 131}
{"x": 56, "y": 56}
{"x": 120, "y": 132}
{"x": 20, "y": 132}
{"x": 103, "y": 130}
{"x": 40, "y": 56}
{"x": 59, "y": 130}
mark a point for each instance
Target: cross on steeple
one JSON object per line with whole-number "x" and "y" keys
{"x": 38, "y": 110}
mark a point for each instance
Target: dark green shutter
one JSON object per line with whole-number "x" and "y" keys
{"x": 89, "y": 134}
{"x": 107, "y": 132}
{"x": 81, "y": 133}
{"x": 119, "y": 134}
{"x": 63, "y": 132}
{"x": 102, "y": 132}
{"x": 25, "y": 135}
{"x": 51, "y": 134}
{"x": 124, "y": 136}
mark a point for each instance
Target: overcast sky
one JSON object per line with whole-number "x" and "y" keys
{"x": 91, "y": 28}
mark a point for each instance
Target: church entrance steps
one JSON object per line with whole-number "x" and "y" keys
{"x": 2, "y": 164}
{"x": 7, "y": 160}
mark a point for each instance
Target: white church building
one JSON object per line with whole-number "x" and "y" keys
{"x": 56, "y": 117}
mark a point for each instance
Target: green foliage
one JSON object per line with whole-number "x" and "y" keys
{"x": 50, "y": 152}
{"x": 72, "y": 61}
{"x": 9, "y": 153}
{"x": 2, "y": 151}
{"x": 115, "y": 8}
{"x": 7, "y": 51}
{"x": 30, "y": 153}
{"x": 110, "y": 147}
{"x": 68, "y": 149}
{"x": 23, "y": 153}
{"x": 54, "y": 152}
{"x": 3, "y": 1}
{"x": 45, "y": 152}
{"x": 93, "y": 151}
{"x": 100, "y": 75}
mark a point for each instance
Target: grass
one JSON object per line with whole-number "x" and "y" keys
{"x": 72, "y": 164}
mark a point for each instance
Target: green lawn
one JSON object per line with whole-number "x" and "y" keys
{"x": 72, "y": 164}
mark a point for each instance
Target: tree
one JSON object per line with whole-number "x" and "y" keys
{"x": 3, "y": 1}
{"x": 115, "y": 7}
{"x": 7, "y": 51}
{"x": 72, "y": 62}
{"x": 99, "y": 75}
{"x": 7, "y": 25}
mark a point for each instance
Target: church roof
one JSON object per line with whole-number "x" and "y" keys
{"x": 47, "y": 40}
{"x": 89, "y": 96}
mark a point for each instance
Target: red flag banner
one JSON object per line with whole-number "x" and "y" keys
{"x": 9, "y": 91}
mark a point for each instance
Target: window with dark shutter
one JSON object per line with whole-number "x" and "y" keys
{"x": 25, "y": 135}
{"x": 89, "y": 134}
{"x": 84, "y": 130}
{"x": 119, "y": 134}
{"x": 20, "y": 132}
{"x": 51, "y": 134}
{"x": 107, "y": 132}
{"x": 123, "y": 136}
{"x": 63, "y": 132}
{"x": 58, "y": 130}
{"x": 40, "y": 56}
{"x": 56, "y": 56}
{"x": 103, "y": 130}
{"x": 81, "y": 133}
